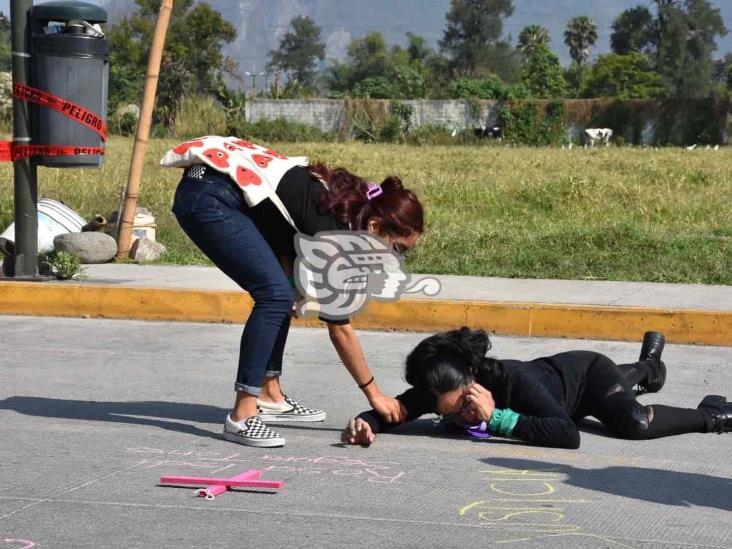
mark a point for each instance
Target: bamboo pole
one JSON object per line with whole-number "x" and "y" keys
{"x": 127, "y": 217}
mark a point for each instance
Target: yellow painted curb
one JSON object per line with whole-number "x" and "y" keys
{"x": 419, "y": 315}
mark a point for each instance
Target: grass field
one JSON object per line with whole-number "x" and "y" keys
{"x": 614, "y": 214}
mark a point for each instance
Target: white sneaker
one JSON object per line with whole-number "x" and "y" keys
{"x": 251, "y": 432}
{"x": 289, "y": 410}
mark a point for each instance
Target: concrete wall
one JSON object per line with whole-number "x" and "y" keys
{"x": 324, "y": 114}
{"x": 329, "y": 114}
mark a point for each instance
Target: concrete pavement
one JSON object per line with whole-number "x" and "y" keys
{"x": 93, "y": 412}
{"x": 687, "y": 313}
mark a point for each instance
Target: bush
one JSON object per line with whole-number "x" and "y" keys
{"x": 378, "y": 87}
{"x": 278, "y": 130}
{"x": 200, "y": 115}
{"x": 486, "y": 88}
{"x": 534, "y": 123}
{"x": 64, "y": 265}
{"x": 124, "y": 124}
{"x": 398, "y": 124}
{"x": 432, "y": 134}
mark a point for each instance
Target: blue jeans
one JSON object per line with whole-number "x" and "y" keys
{"x": 213, "y": 214}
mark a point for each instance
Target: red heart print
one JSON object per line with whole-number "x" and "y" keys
{"x": 217, "y": 157}
{"x": 232, "y": 147}
{"x": 246, "y": 177}
{"x": 247, "y": 144}
{"x": 275, "y": 154}
{"x": 183, "y": 147}
{"x": 261, "y": 160}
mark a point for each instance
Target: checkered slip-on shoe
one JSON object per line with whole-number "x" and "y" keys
{"x": 289, "y": 410}
{"x": 252, "y": 432}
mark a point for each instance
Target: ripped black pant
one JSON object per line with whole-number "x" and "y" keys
{"x": 609, "y": 397}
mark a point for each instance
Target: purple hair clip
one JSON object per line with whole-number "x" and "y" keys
{"x": 373, "y": 191}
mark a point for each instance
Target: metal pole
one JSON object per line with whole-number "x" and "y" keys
{"x": 25, "y": 256}
{"x": 127, "y": 216}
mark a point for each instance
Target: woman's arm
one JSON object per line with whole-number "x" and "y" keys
{"x": 363, "y": 428}
{"x": 541, "y": 418}
{"x": 347, "y": 345}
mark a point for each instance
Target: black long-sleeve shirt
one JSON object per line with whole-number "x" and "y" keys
{"x": 545, "y": 392}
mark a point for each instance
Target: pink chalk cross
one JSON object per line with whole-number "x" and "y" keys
{"x": 216, "y": 485}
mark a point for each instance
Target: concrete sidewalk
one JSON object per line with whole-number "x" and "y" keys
{"x": 687, "y": 313}
{"x": 94, "y": 412}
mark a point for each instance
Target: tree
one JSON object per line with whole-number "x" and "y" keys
{"x": 628, "y": 76}
{"x": 704, "y": 24}
{"x": 685, "y": 44}
{"x": 192, "y": 60}
{"x": 632, "y": 30}
{"x": 532, "y": 36}
{"x": 664, "y": 12}
{"x": 723, "y": 75}
{"x": 542, "y": 74}
{"x": 580, "y": 36}
{"x": 417, "y": 48}
{"x": 368, "y": 57}
{"x": 4, "y": 43}
{"x": 374, "y": 71}
{"x": 473, "y": 26}
{"x": 299, "y": 51}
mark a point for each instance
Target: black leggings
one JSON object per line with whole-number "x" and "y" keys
{"x": 609, "y": 397}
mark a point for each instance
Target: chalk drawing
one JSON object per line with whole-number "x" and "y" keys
{"x": 19, "y": 543}
{"x": 373, "y": 471}
{"x": 534, "y": 509}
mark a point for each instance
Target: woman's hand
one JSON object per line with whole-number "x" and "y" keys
{"x": 357, "y": 432}
{"x": 481, "y": 404}
{"x": 390, "y": 408}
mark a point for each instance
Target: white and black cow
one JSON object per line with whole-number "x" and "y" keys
{"x": 494, "y": 132}
{"x": 595, "y": 135}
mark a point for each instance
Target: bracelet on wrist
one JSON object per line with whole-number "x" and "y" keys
{"x": 369, "y": 382}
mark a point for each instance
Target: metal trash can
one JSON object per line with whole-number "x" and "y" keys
{"x": 70, "y": 60}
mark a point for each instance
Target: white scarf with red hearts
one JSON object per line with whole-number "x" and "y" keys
{"x": 255, "y": 169}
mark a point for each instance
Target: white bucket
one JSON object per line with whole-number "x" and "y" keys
{"x": 54, "y": 218}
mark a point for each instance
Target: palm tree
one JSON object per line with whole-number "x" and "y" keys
{"x": 531, "y": 37}
{"x": 580, "y": 36}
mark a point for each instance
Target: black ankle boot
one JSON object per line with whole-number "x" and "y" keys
{"x": 653, "y": 344}
{"x": 720, "y": 410}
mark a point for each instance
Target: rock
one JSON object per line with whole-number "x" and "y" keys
{"x": 91, "y": 247}
{"x": 144, "y": 249}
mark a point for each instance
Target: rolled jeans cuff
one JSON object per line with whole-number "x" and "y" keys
{"x": 273, "y": 373}
{"x": 240, "y": 387}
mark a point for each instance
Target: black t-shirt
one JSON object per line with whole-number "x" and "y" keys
{"x": 546, "y": 392}
{"x": 300, "y": 194}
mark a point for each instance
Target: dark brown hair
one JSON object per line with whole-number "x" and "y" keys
{"x": 399, "y": 209}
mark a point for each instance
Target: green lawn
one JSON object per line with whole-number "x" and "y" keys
{"x": 610, "y": 213}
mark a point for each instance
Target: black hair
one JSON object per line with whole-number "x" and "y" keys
{"x": 449, "y": 360}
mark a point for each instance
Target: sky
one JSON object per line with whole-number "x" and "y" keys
{"x": 550, "y": 13}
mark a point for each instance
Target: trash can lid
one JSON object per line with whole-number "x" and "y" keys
{"x": 65, "y": 10}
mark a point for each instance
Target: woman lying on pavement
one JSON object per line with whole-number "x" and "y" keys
{"x": 542, "y": 400}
